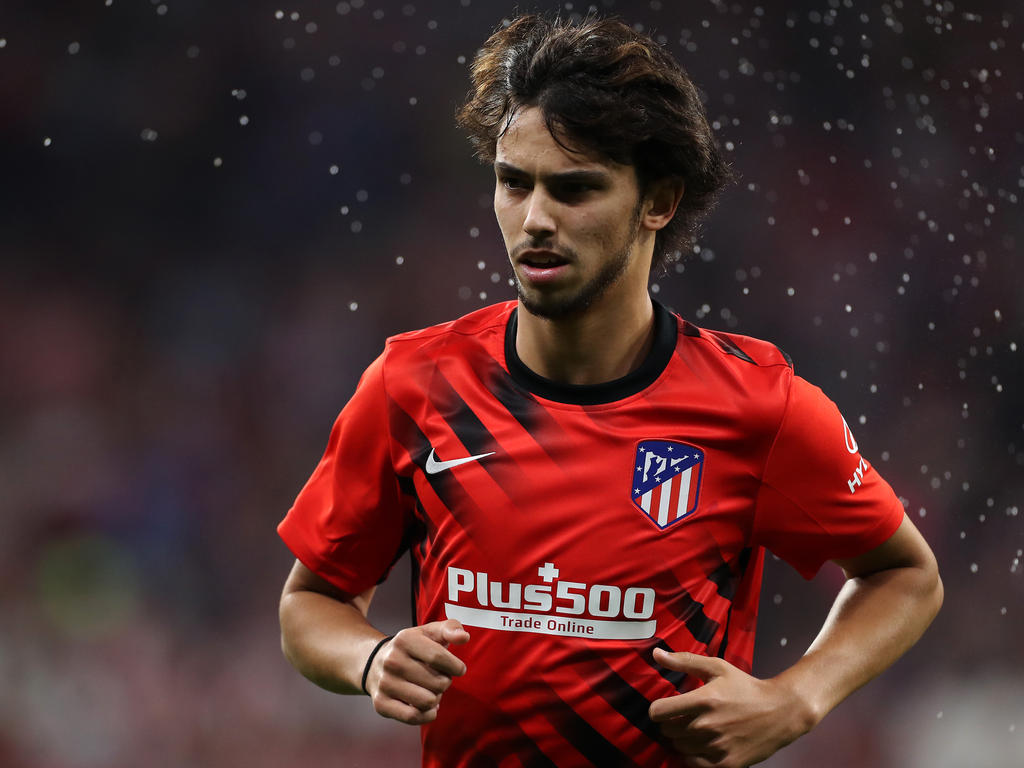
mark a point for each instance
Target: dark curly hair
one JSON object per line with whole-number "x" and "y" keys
{"x": 605, "y": 87}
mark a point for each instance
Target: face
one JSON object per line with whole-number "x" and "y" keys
{"x": 572, "y": 221}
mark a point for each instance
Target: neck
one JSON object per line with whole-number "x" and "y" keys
{"x": 594, "y": 347}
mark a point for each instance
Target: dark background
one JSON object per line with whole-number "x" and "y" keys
{"x": 211, "y": 216}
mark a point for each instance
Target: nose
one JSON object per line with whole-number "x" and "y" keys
{"x": 540, "y": 221}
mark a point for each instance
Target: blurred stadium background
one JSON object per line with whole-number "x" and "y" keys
{"x": 212, "y": 215}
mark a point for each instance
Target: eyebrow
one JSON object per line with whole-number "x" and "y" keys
{"x": 578, "y": 177}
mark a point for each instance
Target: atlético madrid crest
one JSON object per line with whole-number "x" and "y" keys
{"x": 666, "y": 480}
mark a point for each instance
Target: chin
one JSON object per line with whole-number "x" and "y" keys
{"x": 554, "y": 307}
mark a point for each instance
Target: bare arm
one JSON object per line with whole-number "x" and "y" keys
{"x": 324, "y": 632}
{"x": 891, "y": 595}
{"x": 326, "y": 636}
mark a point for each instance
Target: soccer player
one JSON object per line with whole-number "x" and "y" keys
{"x": 588, "y": 483}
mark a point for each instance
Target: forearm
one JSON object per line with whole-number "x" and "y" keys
{"x": 326, "y": 639}
{"x": 874, "y": 620}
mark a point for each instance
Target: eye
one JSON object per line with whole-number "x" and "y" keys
{"x": 573, "y": 190}
{"x": 512, "y": 183}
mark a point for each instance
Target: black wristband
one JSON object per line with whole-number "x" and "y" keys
{"x": 369, "y": 661}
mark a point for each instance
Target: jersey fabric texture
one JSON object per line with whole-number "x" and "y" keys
{"x": 573, "y": 529}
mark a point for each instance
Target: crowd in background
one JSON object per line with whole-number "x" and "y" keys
{"x": 211, "y": 216}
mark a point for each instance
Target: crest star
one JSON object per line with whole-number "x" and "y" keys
{"x": 670, "y": 449}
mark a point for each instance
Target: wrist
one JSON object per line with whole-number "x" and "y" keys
{"x": 805, "y": 706}
{"x": 369, "y": 661}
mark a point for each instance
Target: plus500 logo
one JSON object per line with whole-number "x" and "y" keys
{"x": 571, "y": 598}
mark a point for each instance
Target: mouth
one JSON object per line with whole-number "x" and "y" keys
{"x": 541, "y": 259}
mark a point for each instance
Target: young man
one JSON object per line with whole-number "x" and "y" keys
{"x": 588, "y": 483}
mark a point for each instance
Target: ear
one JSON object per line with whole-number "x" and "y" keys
{"x": 660, "y": 203}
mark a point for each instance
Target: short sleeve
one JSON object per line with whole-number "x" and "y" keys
{"x": 349, "y": 521}
{"x": 819, "y": 499}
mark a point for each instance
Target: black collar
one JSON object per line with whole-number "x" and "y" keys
{"x": 665, "y": 336}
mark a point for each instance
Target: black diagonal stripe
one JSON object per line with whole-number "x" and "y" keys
{"x": 584, "y": 737}
{"x": 447, "y": 487}
{"x": 406, "y": 485}
{"x": 625, "y": 699}
{"x": 727, "y": 576}
{"x": 691, "y": 612}
{"x": 524, "y": 408}
{"x": 522, "y": 405}
{"x": 673, "y": 676}
{"x": 741, "y": 570}
{"x": 486, "y": 734}
{"x": 729, "y": 346}
{"x": 472, "y": 432}
{"x": 456, "y": 412}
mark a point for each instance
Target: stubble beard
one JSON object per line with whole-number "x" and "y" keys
{"x": 560, "y": 307}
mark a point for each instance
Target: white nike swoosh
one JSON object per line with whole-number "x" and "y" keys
{"x": 434, "y": 466}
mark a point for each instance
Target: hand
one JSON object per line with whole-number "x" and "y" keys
{"x": 409, "y": 674}
{"x": 732, "y": 721}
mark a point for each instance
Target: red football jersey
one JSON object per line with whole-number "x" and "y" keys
{"x": 572, "y": 529}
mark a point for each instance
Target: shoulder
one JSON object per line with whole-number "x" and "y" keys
{"x": 729, "y": 373}
{"x": 723, "y": 346}
{"x": 479, "y": 332}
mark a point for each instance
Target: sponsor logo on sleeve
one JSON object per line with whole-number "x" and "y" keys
{"x": 666, "y": 480}
{"x": 857, "y": 479}
{"x": 851, "y": 444}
